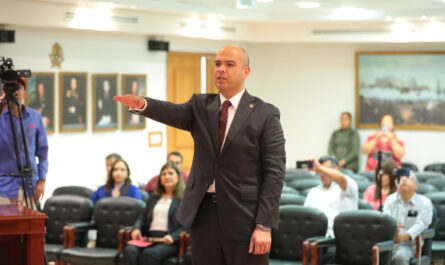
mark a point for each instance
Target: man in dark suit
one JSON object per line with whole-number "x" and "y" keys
{"x": 232, "y": 196}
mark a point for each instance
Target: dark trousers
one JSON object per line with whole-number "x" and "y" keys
{"x": 209, "y": 246}
{"x": 152, "y": 255}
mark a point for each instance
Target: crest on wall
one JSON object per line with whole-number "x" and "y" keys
{"x": 56, "y": 55}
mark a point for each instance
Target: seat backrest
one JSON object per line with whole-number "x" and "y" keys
{"x": 411, "y": 166}
{"x": 144, "y": 195}
{"x": 296, "y": 224}
{"x": 424, "y": 188}
{"x": 291, "y": 199}
{"x": 436, "y": 167}
{"x": 439, "y": 183}
{"x": 294, "y": 174}
{"x": 63, "y": 209}
{"x": 424, "y": 176}
{"x": 364, "y": 205}
{"x": 111, "y": 215}
{"x": 356, "y": 232}
{"x": 73, "y": 190}
{"x": 438, "y": 200}
{"x": 287, "y": 189}
{"x": 304, "y": 184}
{"x": 370, "y": 175}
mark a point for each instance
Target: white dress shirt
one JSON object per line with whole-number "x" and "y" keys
{"x": 235, "y": 100}
{"x": 333, "y": 200}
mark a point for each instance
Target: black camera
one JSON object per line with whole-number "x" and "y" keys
{"x": 397, "y": 173}
{"x": 9, "y": 76}
{"x": 305, "y": 164}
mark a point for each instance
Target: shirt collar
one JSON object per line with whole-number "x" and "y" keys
{"x": 235, "y": 100}
{"x": 411, "y": 201}
{"x": 25, "y": 111}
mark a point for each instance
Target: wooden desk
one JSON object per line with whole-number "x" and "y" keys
{"x": 22, "y": 232}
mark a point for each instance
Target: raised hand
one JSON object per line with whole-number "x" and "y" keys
{"x": 131, "y": 101}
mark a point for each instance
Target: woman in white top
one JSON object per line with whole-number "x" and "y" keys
{"x": 158, "y": 221}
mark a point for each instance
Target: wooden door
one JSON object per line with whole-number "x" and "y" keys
{"x": 184, "y": 79}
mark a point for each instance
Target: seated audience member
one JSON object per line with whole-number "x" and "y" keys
{"x": 385, "y": 140}
{"x": 158, "y": 221}
{"x": 175, "y": 158}
{"x": 118, "y": 183}
{"x": 109, "y": 160}
{"x": 345, "y": 144}
{"x": 413, "y": 213}
{"x": 337, "y": 193}
{"x": 372, "y": 193}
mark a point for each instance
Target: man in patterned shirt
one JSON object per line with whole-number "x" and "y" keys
{"x": 413, "y": 213}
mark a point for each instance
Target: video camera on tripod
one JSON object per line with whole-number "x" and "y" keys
{"x": 9, "y": 76}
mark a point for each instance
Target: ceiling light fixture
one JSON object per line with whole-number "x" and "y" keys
{"x": 352, "y": 13}
{"x": 308, "y": 4}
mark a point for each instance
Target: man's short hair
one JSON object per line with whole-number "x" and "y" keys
{"x": 114, "y": 156}
{"x": 175, "y": 153}
{"x": 331, "y": 158}
{"x": 347, "y": 113}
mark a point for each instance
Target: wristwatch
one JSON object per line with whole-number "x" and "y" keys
{"x": 262, "y": 227}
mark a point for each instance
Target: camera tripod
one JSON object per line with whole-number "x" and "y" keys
{"x": 25, "y": 172}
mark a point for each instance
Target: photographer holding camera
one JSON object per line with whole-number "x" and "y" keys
{"x": 385, "y": 140}
{"x": 413, "y": 213}
{"x": 11, "y": 189}
{"x": 337, "y": 193}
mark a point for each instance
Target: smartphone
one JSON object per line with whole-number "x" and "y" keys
{"x": 305, "y": 164}
{"x": 384, "y": 129}
{"x": 386, "y": 156}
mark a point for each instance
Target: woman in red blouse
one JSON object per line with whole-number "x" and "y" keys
{"x": 385, "y": 140}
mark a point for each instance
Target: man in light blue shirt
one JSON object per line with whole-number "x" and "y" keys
{"x": 413, "y": 213}
{"x": 11, "y": 187}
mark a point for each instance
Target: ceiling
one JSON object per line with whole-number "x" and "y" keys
{"x": 285, "y": 10}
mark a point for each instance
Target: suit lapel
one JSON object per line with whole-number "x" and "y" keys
{"x": 213, "y": 116}
{"x": 245, "y": 107}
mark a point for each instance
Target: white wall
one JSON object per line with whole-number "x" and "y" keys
{"x": 313, "y": 83}
{"x": 78, "y": 158}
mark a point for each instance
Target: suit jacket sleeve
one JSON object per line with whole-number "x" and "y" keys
{"x": 176, "y": 115}
{"x": 273, "y": 160}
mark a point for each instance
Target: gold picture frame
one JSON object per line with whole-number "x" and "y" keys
{"x": 133, "y": 84}
{"x": 73, "y": 101}
{"x": 105, "y": 109}
{"x": 155, "y": 139}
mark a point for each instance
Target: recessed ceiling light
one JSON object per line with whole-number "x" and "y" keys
{"x": 388, "y": 18}
{"x": 308, "y": 4}
{"x": 424, "y": 18}
{"x": 352, "y": 13}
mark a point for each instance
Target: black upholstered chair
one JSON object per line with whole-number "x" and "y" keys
{"x": 291, "y": 199}
{"x": 438, "y": 245}
{"x": 362, "y": 185}
{"x": 426, "y": 175}
{"x": 370, "y": 175}
{"x": 411, "y": 166}
{"x": 296, "y": 225}
{"x": 73, "y": 190}
{"x": 295, "y": 174}
{"x": 436, "y": 167}
{"x": 144, "y": 195}
{"x": 287, "y": 189}
{"x": 110, "y": 215}
{"x": 424, "y": 252}
{"x": 424, "y": 188}
{"x": 303, "y": 184}
{"x": 439, "y": 183}
{"x": 63, "y": 209}
{"x": 362, "y": 237}
{"x": 364, "y": 205}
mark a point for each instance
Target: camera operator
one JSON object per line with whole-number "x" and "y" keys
{"x": 11, "y": 190}
{"x": 385, "y": 140}
{"x": 337, "y": 193}
{"x": 413, "y": 213}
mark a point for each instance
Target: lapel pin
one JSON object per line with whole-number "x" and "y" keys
{"x": 251, "y": 106}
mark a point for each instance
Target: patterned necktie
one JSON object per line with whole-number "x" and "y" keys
{"x": 223, "y": 114}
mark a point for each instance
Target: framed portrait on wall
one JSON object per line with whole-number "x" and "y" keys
{"x": 41, "y": 96}
{"x": 408, "y": 85}
{"x": 73, "y": 102}
{"x": 104, "y": 107}
{"x": 136, "y": 85}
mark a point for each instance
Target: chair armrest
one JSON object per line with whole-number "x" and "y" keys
{"x": 306, "y": 249}
{"x": 318, "y": 245}
{"x": 70, "y": 230}
{"x": 184, "y": 244}
{"x": 429, "y": 233}
{"x": 380, "y": 247}
{"x": 82, "y": 226}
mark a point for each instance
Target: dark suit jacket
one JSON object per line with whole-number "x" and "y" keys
{"x": 249, "y": 170}
{"x": 144, "y": 220}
